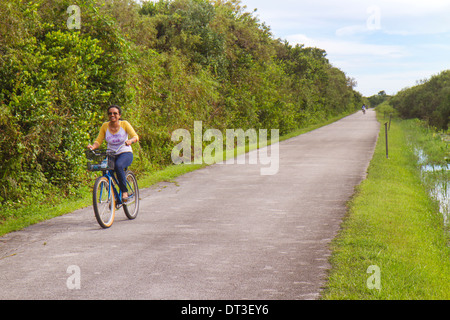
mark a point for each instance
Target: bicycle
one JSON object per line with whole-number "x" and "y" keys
{"x": 105, "y": 197}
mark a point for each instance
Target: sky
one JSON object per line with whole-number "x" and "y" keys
{"x": 385, "y": 45}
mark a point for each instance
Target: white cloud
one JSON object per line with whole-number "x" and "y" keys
{"x": 339, "y": 47}
{"x": 402, "y": 17}
{"x": 352, "y": 30}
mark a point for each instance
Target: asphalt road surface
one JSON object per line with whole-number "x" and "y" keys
{"x": 222, "y": 232}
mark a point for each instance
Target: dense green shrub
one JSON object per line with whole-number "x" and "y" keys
{"x": 428, "y": 101}
{"x": 55, "y": 84}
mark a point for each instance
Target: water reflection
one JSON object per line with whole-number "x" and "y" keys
{"x": 437, "y": 179}
{"x": 435, "y": 168}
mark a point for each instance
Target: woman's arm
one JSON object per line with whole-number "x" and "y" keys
{"x": 131, "y": 133}
{"x": 100, "y": 138}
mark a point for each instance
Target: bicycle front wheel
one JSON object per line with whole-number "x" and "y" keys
{"x": 131, "y": 207}
{"x": 104, "y": 202}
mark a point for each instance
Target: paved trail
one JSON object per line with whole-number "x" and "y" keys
{"x": 223, "y": 232}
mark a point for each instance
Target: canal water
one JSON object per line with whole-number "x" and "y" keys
{"x": 437, "y": 177}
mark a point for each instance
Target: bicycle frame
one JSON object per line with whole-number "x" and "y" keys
{"x": 112, "y": 184}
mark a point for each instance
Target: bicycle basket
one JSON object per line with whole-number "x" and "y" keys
{"x": 100, "y": 160}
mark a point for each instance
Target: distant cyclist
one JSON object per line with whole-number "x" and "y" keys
{"x": 364, "y": 108}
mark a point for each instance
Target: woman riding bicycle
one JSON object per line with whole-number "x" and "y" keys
{"x": 119, "y": 135}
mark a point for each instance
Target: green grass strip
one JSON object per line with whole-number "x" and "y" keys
{"x": 392, "y": 224}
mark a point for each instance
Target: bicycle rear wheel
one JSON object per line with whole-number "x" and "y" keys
{"x": 104, "y": 202}
{"x": 131, "y": 207}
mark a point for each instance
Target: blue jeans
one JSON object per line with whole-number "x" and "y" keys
{"x": 123, "y": 161}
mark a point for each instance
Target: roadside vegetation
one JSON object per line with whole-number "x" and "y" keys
{"x": 167, "y": 63}
{"x": 429, "y": 100}
{"x": 393, "y": 225}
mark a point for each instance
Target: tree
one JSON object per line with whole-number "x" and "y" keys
{"x": 428, "y": 101}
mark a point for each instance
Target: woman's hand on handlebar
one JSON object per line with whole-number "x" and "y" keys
{"x": 93, "y": 147}
{"x": 130, "y": 142}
